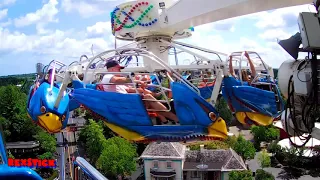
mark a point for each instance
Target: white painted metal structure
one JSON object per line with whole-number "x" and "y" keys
{"x": 175, "y": 18}
{"x": 173, "y": 22}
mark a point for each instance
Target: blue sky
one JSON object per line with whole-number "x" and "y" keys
{"x": 33, "y": 31}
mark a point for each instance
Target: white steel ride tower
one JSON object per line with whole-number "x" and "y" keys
{"x": 155, "y": 25}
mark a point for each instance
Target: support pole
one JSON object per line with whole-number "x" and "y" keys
{"x": 63, "y": 88}
{"x": 61, "y": 150}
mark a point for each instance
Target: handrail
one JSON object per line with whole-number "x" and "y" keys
{"x": 133, "y": 84}
{"x": 121, "y": 73}
{"x": 200, "y": 49}
{"x": 83, "y": 56}
{"x": 149, "y": 55}
{"x": 249, "y": 52}
{"x": 240, "y": 67}
{"x": 260, "y": 75}
{"x": 88, "y": 169}
{"x": 242, "y": 59}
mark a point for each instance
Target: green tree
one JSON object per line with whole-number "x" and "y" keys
{"x": 47, "y": 144}
{"x": 224, "y": 111}
{"x": 274, "y": 147}
{"x": 13, "y": 115}
{"x": 263, "y": 175}
{"x": 240, "y": 175}
{"x": 262, "y": 133}
{"x": 117, "y": 158}
{"x": 47, "y": 141}
{"x": 231, "y": 141}
{"x": 264, "y": 159}
{"x": 210, "y": 145}
{"x": 10, "y": 155}
{"x": 6, "y": 81}
{"x": 294, "y": 156}
{"x": 92, "y": 135}
{"x": 244, "y": 148}
{"x": 46, "y": 155}
{"x": 106, "y": 130}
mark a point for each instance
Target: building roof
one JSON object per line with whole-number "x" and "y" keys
{"x": 222, "y": 159}
{"x": 22, "y": 145}
{"x": 235, "y": 162}
{"x": 164, "y": 150}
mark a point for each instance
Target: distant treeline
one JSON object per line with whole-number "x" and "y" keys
{"x": 22, "y": 78}
{"x": 5, "y": 81}
{"x": 25, "y": 80}
{"x": 29, "y": 75}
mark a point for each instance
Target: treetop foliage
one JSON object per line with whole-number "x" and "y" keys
{"x": 113, "y": 156}
{"x": 224, "y": 111}
{"x": 243, "y": 175}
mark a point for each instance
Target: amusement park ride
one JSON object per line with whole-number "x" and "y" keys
{"x": 154, "y": 27}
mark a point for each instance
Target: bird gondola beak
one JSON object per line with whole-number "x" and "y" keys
{"x": 50, "y": 122}
{"x": 218, "y": 129}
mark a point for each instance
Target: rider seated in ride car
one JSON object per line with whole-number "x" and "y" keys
{"x": 113, "y": 66}
{"x": 147, "y": 79}
{"x": 244, "y": 74}
{"x": 48, "y": 79}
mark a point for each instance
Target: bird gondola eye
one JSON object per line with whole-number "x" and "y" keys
{"x": 212, "y": 116}
{"x": 43, "y": 109}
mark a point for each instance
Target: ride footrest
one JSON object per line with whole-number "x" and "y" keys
{"x": 181, "y": 139}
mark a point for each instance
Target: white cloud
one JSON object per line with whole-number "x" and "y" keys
{"x": 41, "y": 17}
{"x": 70, "y": 45}
{"x": 284, "y": 17}
{"x": 271, "y": 53}
{"x": 99, "y": 29}
{"x": 3, "y": 13}
{"x": 83, "y": 8}
{"x": 13, "y": 41}
{"x": 56, "y": 45}
{"x": 7, "y": 3}
{"x": 89, "y": 8}
{"x": 273, "y": 34}
{"x": 227, "y": 25}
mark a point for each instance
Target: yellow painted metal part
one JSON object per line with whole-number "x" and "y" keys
{"x": 218, "y": 129}
{"x": 260, "y": 119}
{"x": 127, "y": 134}
{"x": 50, "y": 122}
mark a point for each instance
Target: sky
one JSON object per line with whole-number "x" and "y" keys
{"x": 33, "y": 31}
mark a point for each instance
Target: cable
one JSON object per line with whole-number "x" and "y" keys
{"x": 292, "y": 110}
{"x": 307, "y": 60}
{"x": 310, "y": 106}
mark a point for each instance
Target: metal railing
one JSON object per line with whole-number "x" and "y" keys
{"x": 134, "y": 85}
{"x": 261, "y": 75}
{"x": 241, "y": 54}
{"x": 143, "y": 53}
{"x": 84, "y": 170}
